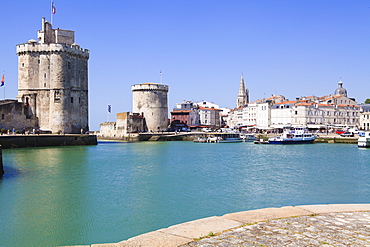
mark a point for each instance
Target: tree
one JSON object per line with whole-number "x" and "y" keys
{"x": 367, "y": 101}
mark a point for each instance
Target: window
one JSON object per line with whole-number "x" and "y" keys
{"x": 296, "y": 112}
{"x": 2, "y": 116}
{"x": 72, "y": 100}
{"x": 69, "y": 65}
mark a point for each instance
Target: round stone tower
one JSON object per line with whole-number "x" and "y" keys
{"x": 53, "y": 80}
{"x": 150, "y": 100}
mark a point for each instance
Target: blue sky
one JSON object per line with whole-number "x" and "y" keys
{"x": 289, "y": 47}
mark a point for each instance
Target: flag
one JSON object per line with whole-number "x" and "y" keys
{"x": 53, "y": 9}
{"x": 2, "y": 81}
{"x": 109, "y": 108}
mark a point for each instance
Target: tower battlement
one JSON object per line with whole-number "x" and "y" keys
{"x": 35, "y": 47}
{"x": 149, "y": 87}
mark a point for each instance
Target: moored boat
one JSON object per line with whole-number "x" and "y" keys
{"x": 248, "y": 137}
{"x": 364, "y": 140}
{"x": 224, "y": 138}
{"x": 297, "y": 136}
{"x": 200, "y": 139}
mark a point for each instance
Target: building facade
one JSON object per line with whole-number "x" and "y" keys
{"x": 365, "y": 117}
{"x": 53, "y": 80}
{"x": 329, "y": 111}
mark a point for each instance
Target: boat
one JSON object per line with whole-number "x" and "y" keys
{"x": 297, "y": 136}
{"x": 363, "y": 140}
{"x": 248, "y": 137}
{"x": 225, "y": 138}
{"x": 200, "y": 139}
{"x": 261, "y": 141}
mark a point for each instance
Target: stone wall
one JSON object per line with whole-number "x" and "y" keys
{"x": 14, "y": 114}
{"x": 20, "y": 141}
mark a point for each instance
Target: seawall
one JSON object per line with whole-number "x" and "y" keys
{"x": 21, "y": 141}
{"x": 190, "y": 136}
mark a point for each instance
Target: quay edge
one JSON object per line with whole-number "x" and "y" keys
{"x": 190, "y": 136}
{"x": 21, "y": 141}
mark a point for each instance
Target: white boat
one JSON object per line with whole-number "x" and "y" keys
{"x": 364, "y": 140}
{"x": 299, "y": 135}
{"x": 225, "y": 138}
{"x": 248, "y": 137}
{"x": 200, "y": 139}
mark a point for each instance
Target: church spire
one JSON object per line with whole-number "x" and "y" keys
{"x": 243, "y": 95}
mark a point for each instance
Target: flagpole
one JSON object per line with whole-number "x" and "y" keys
{"x": 4, "y": 84}
{"x": 51, "y": 13}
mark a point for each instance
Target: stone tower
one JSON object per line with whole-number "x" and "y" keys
{"x": 52, "y": 80}
{"x": 150, "y": 100}
{"x": 243, "y": 95}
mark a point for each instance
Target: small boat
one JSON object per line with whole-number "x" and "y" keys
{"x": 248, "y": 137}
{"x": 225, "y": 138}
{"x": 297, "y": 136}
{"x": 364, "y": 140}
{"x": 200, "y": 139}
{"x": 261, "y": 141}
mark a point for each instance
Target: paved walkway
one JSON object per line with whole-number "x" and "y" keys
{"x": 312, "y": 225}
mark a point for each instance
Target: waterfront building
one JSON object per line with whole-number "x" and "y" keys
{"x": 185, "y": 115}
{"x": 209, "y": 117}
{"x": 207, "y": 104}
{"x": 200, "y": 114}
{"x": 329, "y": 111}
{"x": 365, "y": 117}
{"x": 53, "y": 80}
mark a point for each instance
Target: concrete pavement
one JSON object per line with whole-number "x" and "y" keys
{"x": 311, "y": 225}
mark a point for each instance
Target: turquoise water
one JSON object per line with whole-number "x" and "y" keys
{"x": 111, "y": 192}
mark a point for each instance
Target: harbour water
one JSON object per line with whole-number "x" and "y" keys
{"x": 110, "y": 192}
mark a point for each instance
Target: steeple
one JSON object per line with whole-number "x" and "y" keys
{"x": 243, "y": 95}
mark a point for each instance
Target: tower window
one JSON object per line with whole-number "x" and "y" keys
{"x": 79, "y": 99}
{"x": 2, "y": 116}
{"x": 72, "y": 100}
{"x": 69, "y": 65}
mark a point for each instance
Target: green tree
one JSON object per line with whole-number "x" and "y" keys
{"x": 367, "y": 101}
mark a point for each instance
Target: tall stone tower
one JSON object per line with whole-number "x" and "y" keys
{"x": 243, "y": 95}
{"x": 52, "y": 80}
{"x": 150, "y": 100}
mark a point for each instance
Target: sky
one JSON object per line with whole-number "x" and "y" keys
{"x": 287, "y": 47}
